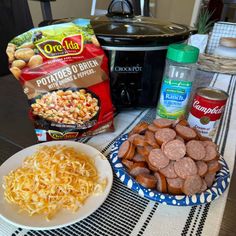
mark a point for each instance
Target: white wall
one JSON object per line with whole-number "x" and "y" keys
{"x": 178, "y": 11}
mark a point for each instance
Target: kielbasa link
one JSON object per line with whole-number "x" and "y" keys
{"x": 162, "y": 123}
{"x": 211, "y": 153}
{"x": 175, "y": 186}
{"x": 195, "y": 150}
{"x": 161, "y": 182}
{"x": 164, "y": 135}
{"x": 185, "y": 132}
{"x": 192, "y": 185}
{"x": 146, "y": 180}
{"x": 185, "y": 167}
{"x": 201, "y": 167}
{"x": 174, "y": 149}
{"x": 124, "y": 148}
{"x": 157, "y": 159}
{"x": 169, "y": 171}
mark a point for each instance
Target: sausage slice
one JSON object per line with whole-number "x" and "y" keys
{"x": 157, "y": 159}
{"x": 175, "y": 186}
{"x": 140, "y": 128}
{"x": 211, "y": 153}
{"x": 213, "y": 166}
{"x": 169, "y": 171}
{"x": 174, "y": 149}
{"x": 192, "y": 185}
{"x": 185, "y": 167}
{"x": 161, "y": 182}
{"x": 210, "y": 178}
{"x": 195, "y": 150}
{"x": 138, "y": 158}
{"x": 201, "y": 167}
{"x": 164, "y": 135}
{"x": 150, "y": 139}
{"x": 185, "y": 132}
{"x": 152, "y": 128}
{"x": 162, "y": 123}
{"x": 127, "y": 163}
{"x": 138, "y": 169}
{"x": 139, "y": 140}
{"x": 124, "y": 148}
{"x": 146, "y": 180}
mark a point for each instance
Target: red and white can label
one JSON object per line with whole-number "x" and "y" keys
{"x": 205, "y": 115}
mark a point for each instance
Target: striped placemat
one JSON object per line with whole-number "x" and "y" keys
{"x": 126, "y": 213}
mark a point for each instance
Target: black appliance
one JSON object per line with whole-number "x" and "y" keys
{"x": 136, "y": 47}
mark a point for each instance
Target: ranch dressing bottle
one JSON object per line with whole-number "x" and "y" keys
{"x": 177, "y": 80}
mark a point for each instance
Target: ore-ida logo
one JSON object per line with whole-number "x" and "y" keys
{"x": 69, "y": 46}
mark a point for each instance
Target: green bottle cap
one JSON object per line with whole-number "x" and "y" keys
{"x": 182, "y": 53}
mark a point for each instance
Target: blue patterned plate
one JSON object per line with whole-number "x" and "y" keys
{"x": 219, "y": 186}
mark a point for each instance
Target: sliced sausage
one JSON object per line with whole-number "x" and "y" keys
{"x": 138, "y": 158}
{"x": 127, "y": 163}
{"x": 185, "y": 167}
{"x": 204, "y": 186}
{"x": 162, "y": 123}
{"x": 192, "y": 185}
{"x": 139, "y": 128}
{"x": 175, "y": 186}
{"x": 161, "y": 182}
{"x": 139, "y": 140}
{"x": 157, "y": 159}
{"x": 150, "y": 139}
{"x": 152, "y": 128}
{"x": 164, "y": 135}
{"x": 209, "y": 178}
{"x": 185, "y": 132}
{"x": 181, "y": 120}
{"x": 146, "y": 180}
{"x": 195, "y": 150}
{"x": 142, "y": 151}
{"x": 131, "y": 138}
{"x": 136, "y": 170}
{"x": 209, "y": 143}
{"x": 213, "y": 166}
{"x": 124, "y": 148}
{"x": 201, "y": 167}
{"x": 174, "y": 149}
{"x": 130, "y": 153}
{"x": 179, "y": 138}
{"x": 211, "y": 153}
{"x": 169, "y": 171}
{"x": 151, "y": 167}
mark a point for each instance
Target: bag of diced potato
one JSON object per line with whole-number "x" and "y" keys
{"x": 64, "y": 73}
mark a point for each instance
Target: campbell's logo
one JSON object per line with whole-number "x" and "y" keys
{"x": 71, "y": 45}
{"x": 207, "y": 110}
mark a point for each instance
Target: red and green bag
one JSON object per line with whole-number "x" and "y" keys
{"x": 64, "y": 73}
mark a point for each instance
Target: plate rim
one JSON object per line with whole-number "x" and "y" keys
{"x": 122, "y": 173}
{"x": 50, "y": 143}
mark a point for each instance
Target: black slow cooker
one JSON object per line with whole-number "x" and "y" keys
{"x": 136, "y": 47}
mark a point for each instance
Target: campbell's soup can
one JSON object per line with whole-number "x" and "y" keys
{"x": 206, "y": 111}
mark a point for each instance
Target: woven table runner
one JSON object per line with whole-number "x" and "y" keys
{"x": 126, "y": 213}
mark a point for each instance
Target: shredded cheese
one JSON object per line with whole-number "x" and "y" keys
{"x": 53, "y": 178}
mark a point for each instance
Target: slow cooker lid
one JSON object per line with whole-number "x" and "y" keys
{"x": 121, "y": 22}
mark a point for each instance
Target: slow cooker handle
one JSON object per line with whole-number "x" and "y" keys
{"x": 120, "y": 8}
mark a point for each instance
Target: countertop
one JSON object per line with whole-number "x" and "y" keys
{"x": 17, "y": 132}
